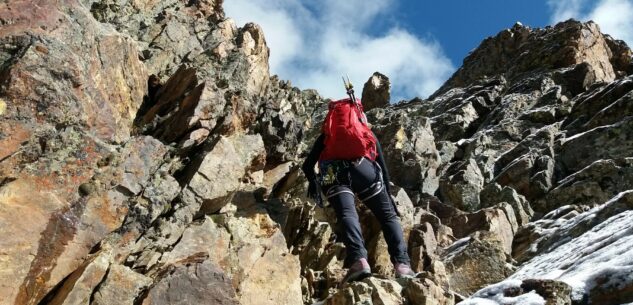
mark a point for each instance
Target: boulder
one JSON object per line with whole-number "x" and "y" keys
{"x": 422, "y": 246}
{"x": 262, "y": 270}
{"x": 554, "y": 292}
{"x": 192, "y": 283}
{"x": 474, "y": 262}
{"x": 368, "y": 291}
{"x": 220, "y": 171}
{"x": 248, "y": 247}
{"x": 461, "y": 184}
{"x": 204, "y": 239}
{"x": 376, "y": 92}
{"x": 85, "y": 74}
{"x": 285, "y": 121}
{"x": 121, "y": 285}
{"x": 621, "y": 58}
{"x": 529, "y": 166}
{"x": 494, "y": 194}
{"x": 492, "y": 220}
{"x": 426, "y": 292}
{"x": 63, "y": 233}
{"x": 596, "y": 103}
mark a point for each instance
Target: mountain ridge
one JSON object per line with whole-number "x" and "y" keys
{"x": 158, "y": 162}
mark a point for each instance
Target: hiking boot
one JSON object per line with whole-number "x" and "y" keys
{"x": 404, "y": 271}
{"x": 358, "y": 271}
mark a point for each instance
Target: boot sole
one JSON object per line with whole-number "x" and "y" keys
{"x": 357, "y": 276}
{"x": 406, "y": 276}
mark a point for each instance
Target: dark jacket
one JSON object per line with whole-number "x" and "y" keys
{"x": 319, "y": 145}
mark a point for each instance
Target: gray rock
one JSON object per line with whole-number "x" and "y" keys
{"x": 376, "y": 92}
{"x": 564, "y": 224}
{"x": 589, "y": 104}
{"x": 593, "y": 185}
{"x": 521, "y": 49}
{"x": 554, "y": 292}
{"x": 121, "y": 285}
{"x": 493, "y": 194}
{"x": 474, "y": 262}
{"x": 606, "y": 142}
{"x": 410, "y": 152}
{"x": 192, "y": 283}
{"x": 219, "y": 174}
{"x": 529, "y": 166}
{"x": 461, "y": 185}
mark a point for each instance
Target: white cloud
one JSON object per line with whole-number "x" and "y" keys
{"x": 314, "y": 43}
{"x": 565, "y": 9}
{"x": 615, "y": 17}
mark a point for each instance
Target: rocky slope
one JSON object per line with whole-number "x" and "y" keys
{"x": 148, "y": 157}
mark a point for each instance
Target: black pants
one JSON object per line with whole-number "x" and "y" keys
{"x": 363, "y": 179}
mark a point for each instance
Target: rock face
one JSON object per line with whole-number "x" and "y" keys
{"x": 148, "y": 157}
{"x": 61, "y": 113}
{"x": 194, "y": 283}
{"x": 521, "y": 49}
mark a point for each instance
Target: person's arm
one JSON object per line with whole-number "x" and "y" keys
{"x": 314, "y": 191}
{"x": 313, "y": 157}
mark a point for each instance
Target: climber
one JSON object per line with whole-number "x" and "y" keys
{"x": 351, "y": 162}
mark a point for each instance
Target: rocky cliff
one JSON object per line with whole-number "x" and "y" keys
{"x": 147, "y": 156}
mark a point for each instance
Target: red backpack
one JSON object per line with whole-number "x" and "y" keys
{"x": 347, "y": 136}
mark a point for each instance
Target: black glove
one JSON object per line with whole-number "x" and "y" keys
{"x": 314, "y": 193}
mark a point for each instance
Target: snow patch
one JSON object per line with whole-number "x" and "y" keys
{"x": 602, "y": 256}
{"x": 494, "y": 295}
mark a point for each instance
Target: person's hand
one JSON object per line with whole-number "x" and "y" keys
{"x": 314, "y": 193}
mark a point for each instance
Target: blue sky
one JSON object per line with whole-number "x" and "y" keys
{"x": 460, "y": 25}
{"x": 417, "y": 44}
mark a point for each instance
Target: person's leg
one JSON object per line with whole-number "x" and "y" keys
{"x": 367, "y": 183}
{"x": 341, "y": 199}
{"x": 381, "y": 206}
{"x": 349, "y": 226}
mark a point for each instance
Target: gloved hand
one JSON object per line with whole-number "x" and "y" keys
{"x": 314, "y": 193}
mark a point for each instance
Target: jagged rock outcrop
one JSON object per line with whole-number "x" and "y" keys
{"x": 148, "y": 157}
{"x": 520, "y": 49}
{"x": 412, "y": 157}
{"x": 376, "y": 92}
{"x": 68, "y": 103}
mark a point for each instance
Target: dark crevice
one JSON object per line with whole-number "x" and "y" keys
{"x": 98, "y": 286}
{"x": 6, "y": 180}
{"x": 53, "y": 293}
{"x": 149, "y": 100}
{"x": 61, "y": 228}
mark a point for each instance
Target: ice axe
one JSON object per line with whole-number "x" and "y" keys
{"x": 350, "y": 92}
